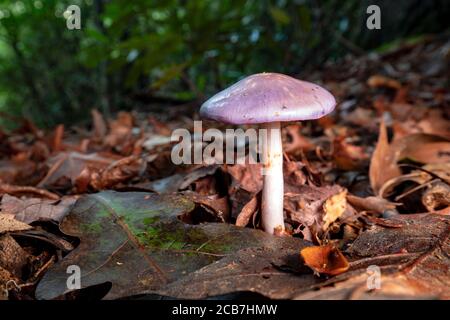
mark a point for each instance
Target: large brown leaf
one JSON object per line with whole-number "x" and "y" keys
{"x": 136, "y": 242}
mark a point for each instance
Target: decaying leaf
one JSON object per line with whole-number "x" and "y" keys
{"x": 334, "y": 207}
{"x": 69, "y": 165}
{"x": 247, "y": 212}
{"x": 437, "y": 196}
{"x": 179, "y": 181}
{"x": 35, "y": 209}
{"x": 12, "y": 257}
{"x": 376, "y": 81}
{"x": 136, "y": 241}
{"x": 423, "y": 148}
{"x": 325, "y": 259}
{"x": 8, "y": 223}
{"x": 407, "y": 263}
{"x": 376, "y": 204}
{"x": 383, "y": 165}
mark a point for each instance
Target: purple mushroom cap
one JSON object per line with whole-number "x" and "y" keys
{"x": 268, "y": 97}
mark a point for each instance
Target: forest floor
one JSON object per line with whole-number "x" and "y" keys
{"x": 367, "y": 200}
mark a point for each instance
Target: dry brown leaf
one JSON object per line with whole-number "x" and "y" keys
{"x": 306, "y": 206}
{"x": 325, "y": 259}
{"x": 217, "y": 207}
{"x": 70, "y": 165}
{"x": 383, "y": 165}
{"x": 437, "y": 196}
{"x": 377, "y": 81}
{"x": 298, "y": 141}
{"x": 247, "y": 176}
{"x": 247, "y": 212}
{"x": 57, "y": 141}
{"x": 348, "y": 156}
{"x": 376, "y": 204}
{"x": 25, "y": 190}
{"x": 12, "y": 257}
{"x": 9, "y": 224}
{"x": 422, "y": 147}
{"x": 35, "y": 209}
{"x": 100, "y": 128}
{"x": 334, "y": 207}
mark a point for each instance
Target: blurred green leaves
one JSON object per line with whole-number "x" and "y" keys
{"x": 177, "y": 49}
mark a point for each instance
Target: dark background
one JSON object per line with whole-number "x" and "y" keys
{"x": 136, "y": 54}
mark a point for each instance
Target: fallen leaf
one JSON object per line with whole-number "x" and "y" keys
{"x": 247, "y": 212}
{"x": 377, "y": 81}
{"x": 306, "y": 206}
{"x": 70, "y": 165}
{"x": 100, "y": 129}
{"x": 325, "y": 259}
{"x": 9, "y": 224}
{"x": 35, "y": 209}
{"x": 179, "y": 181}
{"x": 423, "y": 148}
{"x": 156, "y": 140}
{"x": 216, "y": 206}
{"x": 12, "y": 257}
{"x": 248, "y": 176}
{"x": 334, "y": 207}
{"x": 259, "y": 270}
{"x": 136, "y": 241}
{"x": 383, "y": 165}
{"x": 26, "y": 190}
{"x": 376, "y": 204}
{"x": 437, "y": 196}
{"x": 348, "y": 156}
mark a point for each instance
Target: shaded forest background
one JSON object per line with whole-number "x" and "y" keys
{"x": 134, "y": 54}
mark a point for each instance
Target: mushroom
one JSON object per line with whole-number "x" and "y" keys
{"x": 268, "y": 99}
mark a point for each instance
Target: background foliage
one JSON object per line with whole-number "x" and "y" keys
{"x": 130, "y": 53}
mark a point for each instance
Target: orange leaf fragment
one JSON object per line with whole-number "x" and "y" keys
{"x": 325, "y": 259}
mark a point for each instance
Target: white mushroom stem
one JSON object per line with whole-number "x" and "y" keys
{"x": 272, "y": 196}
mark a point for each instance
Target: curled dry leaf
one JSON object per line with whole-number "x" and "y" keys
{"x": 325, "y": 259}
{"x": 437, "y": 196}
{"x": 375, "y": 204}
{"x": 247, "y": 212}
{"x": 383, "y": 165}
{"x": 100, "y": 129}
{"x": 217, "y": 207}
{"x": 246, "y": 182}
{"x": 422, "y": 177}
{"x": 420, "y": 147}
{"x": 25, "y": 190}
{"x": 297, "y": 141}
{"x": 377, "y": 81}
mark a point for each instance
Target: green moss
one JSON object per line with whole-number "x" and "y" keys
{"x": 95, "y": 227}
